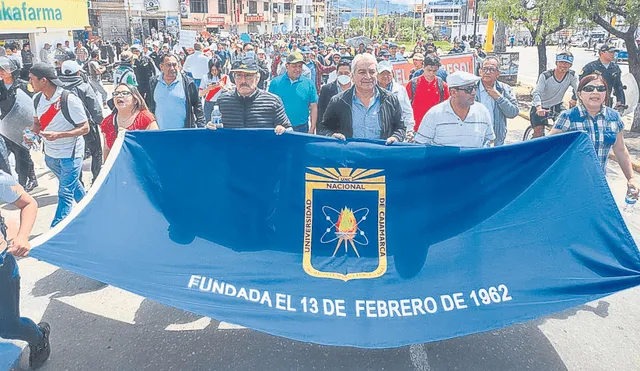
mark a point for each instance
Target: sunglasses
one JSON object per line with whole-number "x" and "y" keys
{"x": 468, "y": 89}
{"x": 123, "y": 93}
{"x": 591, "y": 88}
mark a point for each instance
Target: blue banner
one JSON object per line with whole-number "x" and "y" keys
{"x": 351, "y": 243}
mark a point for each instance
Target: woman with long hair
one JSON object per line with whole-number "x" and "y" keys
{"x": 212, "y": 85}
{"x": 130, "y": 113}
{"x": 601, "y": 123}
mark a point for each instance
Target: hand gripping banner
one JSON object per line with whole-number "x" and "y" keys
{"x": 350, "y": 243}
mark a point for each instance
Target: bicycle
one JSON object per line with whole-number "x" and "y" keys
{"x": 551, "y": 118}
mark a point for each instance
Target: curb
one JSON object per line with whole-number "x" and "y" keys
{"x": 635, "y": 164}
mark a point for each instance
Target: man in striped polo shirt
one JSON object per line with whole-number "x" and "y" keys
{"x": 246, "y": 106}
{"x": 458, "y": 121}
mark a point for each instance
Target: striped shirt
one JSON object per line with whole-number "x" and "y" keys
{"x": 442, "y": 127}
{"x": 259, "y": 110}
{"x": 603, "y": 129}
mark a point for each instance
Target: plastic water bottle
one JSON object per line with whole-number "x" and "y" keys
{"x": 33, "y": 138}
{"x": 216, "y": 117}
{"x": 629, "y": 201}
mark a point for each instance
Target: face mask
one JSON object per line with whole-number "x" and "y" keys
{"x": 251, "y": 54}
{"x": 344, "y": 79}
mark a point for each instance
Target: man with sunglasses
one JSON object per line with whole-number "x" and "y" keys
{"x": 459, "y": 121}
{"x": 246, "y": 106}
{"x": 609, "y": 69}
{"x": 12, "y": 326}
{"x": 497, "y": 97}
{"x": 549, "y": 93}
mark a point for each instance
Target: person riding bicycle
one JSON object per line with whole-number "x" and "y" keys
{"x": 609, "y": 69}
{"x": 549, "y": 93}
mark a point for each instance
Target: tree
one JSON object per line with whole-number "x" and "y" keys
{"x": 600, "y": 12}
{"x": 541, "y": 17}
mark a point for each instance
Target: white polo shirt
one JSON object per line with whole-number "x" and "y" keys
{"x": 63, "y": 148}
{"x": 442, "y": 127}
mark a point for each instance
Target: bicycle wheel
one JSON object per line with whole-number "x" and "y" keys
{"x": 528, "y": 133}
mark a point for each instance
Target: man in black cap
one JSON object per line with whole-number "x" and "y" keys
{"x": 144, "y": 70}
{"x": 611, "y": 72}
{"x": 60, "y": 119}
{"x": 246, "y": 106}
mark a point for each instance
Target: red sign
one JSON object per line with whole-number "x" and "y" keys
{"x": 451, "y": 63}
{"x": 253, "y": 18}
{"x": 215, "y": 20}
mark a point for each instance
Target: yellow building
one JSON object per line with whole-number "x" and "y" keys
{"x": 41, "y": 21}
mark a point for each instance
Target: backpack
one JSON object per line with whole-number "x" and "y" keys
{"x": 64, "y": 105}
{"x": 414, "y": 86}
{"x": 64, "y": 108}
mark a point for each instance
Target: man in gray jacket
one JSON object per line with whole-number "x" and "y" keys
{"x": 497, "y": 97}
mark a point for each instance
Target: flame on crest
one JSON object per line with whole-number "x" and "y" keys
{"x": 346, "y": 221}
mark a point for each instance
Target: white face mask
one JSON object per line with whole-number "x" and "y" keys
{"x": 344, "y": 79}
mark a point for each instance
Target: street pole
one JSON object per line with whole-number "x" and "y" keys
{"x": 475, "y": 20}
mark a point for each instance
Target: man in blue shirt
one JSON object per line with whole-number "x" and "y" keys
{"x": 298, "y": 94}
{"x": 174, "y": 97}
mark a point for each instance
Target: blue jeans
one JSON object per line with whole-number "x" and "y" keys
{"x": 12, "y": 326}
{"x": 67, "y": 170}
{"x": 301, "y": 128}
{"x": 208, "y": 109}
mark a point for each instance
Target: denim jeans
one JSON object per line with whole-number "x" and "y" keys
{"x": 208, "y": 110}
{"x": 304, "y": 128}
{"x": 67, "y": 170}
{"x": 12, "y": 326}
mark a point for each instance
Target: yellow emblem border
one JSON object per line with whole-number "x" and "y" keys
{"x": 345, "y": 179}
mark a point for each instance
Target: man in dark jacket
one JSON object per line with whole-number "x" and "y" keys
{"x": 249, "y": 107}
{"x": 27, "y": 61}
{"x": 365, "y": 110}
{"x": 174, "y": 98}
{"x": 9, "y": 73}
{"x": 144, "y": 70}
{"x": 328, "y": 91}
{"x": 72, "y": 80}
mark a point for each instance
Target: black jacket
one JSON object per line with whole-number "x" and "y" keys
{"x": 144, "y": 70}
{"x": 338, "y": 119}
{"x": 327, "y": 92}
{"x": 87, "y": 95}
{"x": 8, "y": 96}
{"x": 195, "y": 114}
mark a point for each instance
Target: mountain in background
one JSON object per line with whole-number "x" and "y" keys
{"x": 384, "y": 7}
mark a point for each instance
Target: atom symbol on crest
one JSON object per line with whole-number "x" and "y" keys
{"x": 346, "y": 228}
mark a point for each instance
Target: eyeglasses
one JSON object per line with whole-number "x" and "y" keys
{"x": 489, "y": 69}
{"x": 591, "y": 88}
{"x": 468, "y": 89}
{"x": 171, "y": 65}
{"x": 123, "y": 93}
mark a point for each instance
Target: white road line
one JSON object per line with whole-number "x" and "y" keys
{"x": 419, "y": 357}
{"x": 229, "y": 326}
{"x": 196, "y": 325}
{"x": 108, "y": 302}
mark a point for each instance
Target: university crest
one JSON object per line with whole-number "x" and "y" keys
{"x": 345, "y": 223}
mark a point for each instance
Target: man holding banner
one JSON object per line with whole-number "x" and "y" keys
{"x": 458, "y": 121}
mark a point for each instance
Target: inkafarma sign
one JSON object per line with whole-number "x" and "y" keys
{"x": 68, "y": 14}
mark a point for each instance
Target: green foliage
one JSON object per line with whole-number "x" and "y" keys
{"x": 540, "y": 17}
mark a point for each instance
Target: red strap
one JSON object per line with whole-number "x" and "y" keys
{"x": 48, "y": 116}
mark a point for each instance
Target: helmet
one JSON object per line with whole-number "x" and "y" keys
{"x": 9, "y": 64}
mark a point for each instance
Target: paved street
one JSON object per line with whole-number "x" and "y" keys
{"x": 98, "y": 327}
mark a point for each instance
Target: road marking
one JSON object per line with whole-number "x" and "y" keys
{"x": 419, "y": 357}
{"x": 196, "y": 325}
{"x": 230, "y": 326}
{"x": 108, "y": 302}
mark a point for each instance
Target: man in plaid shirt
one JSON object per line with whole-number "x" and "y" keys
{"x": 82, "y": 54}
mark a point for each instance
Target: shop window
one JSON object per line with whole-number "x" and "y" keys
{"x": 222, "y": 7}
{"x": 199, "y": 6}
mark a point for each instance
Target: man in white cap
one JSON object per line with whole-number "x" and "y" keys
{"x": 386, "y": 81}
{"x": 459, "y": 121}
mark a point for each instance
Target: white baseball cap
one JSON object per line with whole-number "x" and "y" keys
{"x": 385, "y": 66}
{"x": 70, "y": 68}
{"x": 461, "y": 78}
